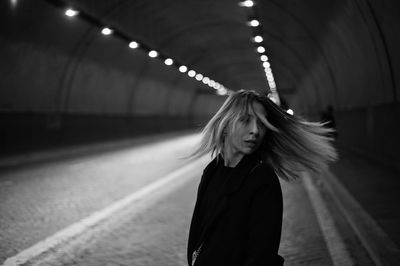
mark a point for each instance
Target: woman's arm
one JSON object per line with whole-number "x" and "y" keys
{"x": 264, "y": 225}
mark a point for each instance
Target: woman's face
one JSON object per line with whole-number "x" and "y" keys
{"x": 248, "y": 133}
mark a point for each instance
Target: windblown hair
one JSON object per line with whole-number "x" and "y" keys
{"x": 291, "y": 144}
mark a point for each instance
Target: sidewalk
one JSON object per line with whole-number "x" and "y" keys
{"x": 84, "y": 149}
{"x": 376, "y": 190}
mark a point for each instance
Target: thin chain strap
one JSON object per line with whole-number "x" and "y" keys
{"x": 196, "y": 254}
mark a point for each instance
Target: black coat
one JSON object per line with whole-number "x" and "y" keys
{"x": 245, "y": 228}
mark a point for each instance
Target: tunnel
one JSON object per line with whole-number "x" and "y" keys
{"x": 63, "y": 79}
{"x": 80, "y": 72}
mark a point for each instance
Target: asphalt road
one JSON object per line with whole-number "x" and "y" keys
{"x": 133, "y": 206}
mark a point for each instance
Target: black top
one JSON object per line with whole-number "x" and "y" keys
{"x": 237, "y": 218}
{"x": 214, "y": 192}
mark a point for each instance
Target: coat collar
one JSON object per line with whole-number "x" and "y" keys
{"x": 238, "y": 175}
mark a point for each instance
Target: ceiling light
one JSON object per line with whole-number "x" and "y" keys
{"x": 260, "y": 49}
{"x": 254, "y": 23}
{"x": 106, "y": 31}
{"x": 153, "y": 53}
{"x": 264, "y": 58}
{"x": 199, "y": 77}
{"x": 206, "y": 80}
{"x": 71, "y": 12}
{"x": 247, "y": 3}
{"x": 191, "y": 73}
{"x": 168, "y": 61}
{"x": 133, "y": 45}
{"x": 183, "y": 69}
{"x": 258, "y": 39}
{"x": 266, "y": 64}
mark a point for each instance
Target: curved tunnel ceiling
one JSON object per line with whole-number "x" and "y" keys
{"x": 213, "y": 37}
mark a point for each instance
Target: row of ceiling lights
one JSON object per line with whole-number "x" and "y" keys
{"x": 220, "y": 89}
{"x": 260, "y": 49}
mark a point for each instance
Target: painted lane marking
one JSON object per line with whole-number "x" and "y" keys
{"x": 336, "y": 246}
{"x": 178, "y": 176}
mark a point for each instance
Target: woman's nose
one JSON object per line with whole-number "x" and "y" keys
{"x": 254, "y": 127}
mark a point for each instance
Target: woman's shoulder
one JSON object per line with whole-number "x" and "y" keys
{"x": 264, "y": 174}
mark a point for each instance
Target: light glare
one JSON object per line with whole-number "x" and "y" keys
{"x": 266, "y": 64}
{"x": 206, "y": 80}
{"x": 182, "y": 69}
{"x": 247, "y": 3}
{"x": 71, "y": 12}
{"x": 222, "y": 91}
{"x": 191, "y": 73}
{"x": 264, "y": 58}
{"x": 106, "y": 31}
{"x": 290, "y": 111}
{"x": 254, "y": 23}
{"x": 258, "y": 39}
{"x": 260, "y": 49}
{"x": 153, "y": 53}
{"x": 199, "y": 77}
{"x": 168, "y": 61}
{"x": 133, "y": 45}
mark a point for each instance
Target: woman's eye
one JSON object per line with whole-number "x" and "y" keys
{"x": 245, "y": 118}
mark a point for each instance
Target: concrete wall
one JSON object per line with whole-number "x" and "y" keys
{"x": 361, "y": 51}
{"x": 53, "y": 63}
{"x": 372, "y": 132}
{"x": 55, "y": 66}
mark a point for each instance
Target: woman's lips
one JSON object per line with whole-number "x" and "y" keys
{"x": 251, "y": 142}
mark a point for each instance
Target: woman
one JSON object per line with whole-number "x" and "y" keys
{"x": 237, "y": 218}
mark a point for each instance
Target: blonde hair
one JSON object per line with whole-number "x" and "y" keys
{"x": 291, "y": 144}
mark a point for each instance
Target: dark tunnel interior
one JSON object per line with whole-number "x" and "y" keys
{"x": 65, "y": 83}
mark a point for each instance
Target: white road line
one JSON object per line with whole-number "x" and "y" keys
{"x": 336, "y": 246}
{"x": 177, "y": 177}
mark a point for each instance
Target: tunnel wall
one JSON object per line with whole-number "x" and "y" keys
{"x": 360, "y": 52}
{"x": 62, "y": 79}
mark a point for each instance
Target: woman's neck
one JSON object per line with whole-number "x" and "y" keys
{"x": 231, "y": 158}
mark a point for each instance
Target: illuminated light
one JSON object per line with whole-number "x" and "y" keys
{"x": 71, "y": 12}
{"x": 153, "y": 53}
{"x": 247, "y": 3}
{"x": 258, "y": 39}
{"x": 260, "y": 49}
{"x": 272, "y": 98}
{"x": 270, "y": 78}
{"x": 264, "y": 58}
{"x": 290, "y": 111}
{"x": 199, "y": 77}
{"x": 218, "y": 86}
{"x": 183, "y": 69}
{"x": 168, "y": 61}
{"x": 222, "y": 91}
{"x": 191, "y": 73}
{"x": 107, "y": 31}
{"x": 266, "y": 64}
{"x": 133, "y": 45}
{"x": 14, "y": 3}
{"x": 254, "y": 23}
{"x": 211, "y": 83}
{"x": 206, "y": 80}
